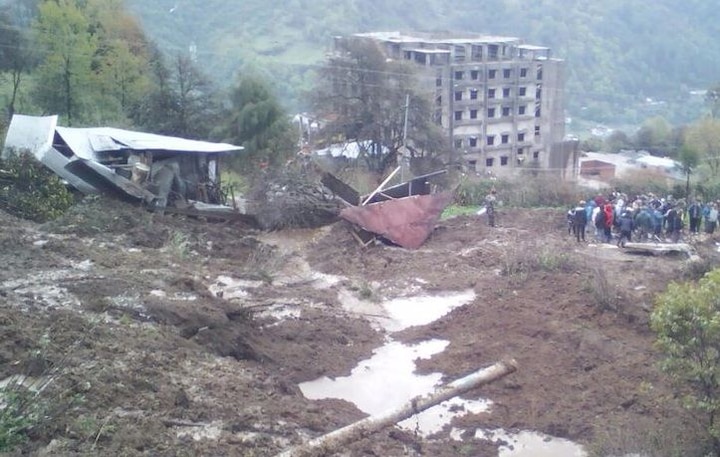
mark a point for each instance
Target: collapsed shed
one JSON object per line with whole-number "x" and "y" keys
{"x": 156, "y": 169}
{"x": 404, "y": 214}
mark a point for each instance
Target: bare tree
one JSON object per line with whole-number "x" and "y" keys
{"x": 364, "y": 96}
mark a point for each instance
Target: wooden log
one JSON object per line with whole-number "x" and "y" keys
{"x": 331, "y": 442}
{"x": 659, "y": 248}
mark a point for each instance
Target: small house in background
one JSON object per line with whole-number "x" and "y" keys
{"x": 156, "y": 169}
{"x": 597, "y": 169}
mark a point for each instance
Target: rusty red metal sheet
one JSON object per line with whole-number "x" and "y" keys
{"x": 406, "y": 221}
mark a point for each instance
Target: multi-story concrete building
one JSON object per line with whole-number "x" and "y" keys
{"x": 499, "y": 101}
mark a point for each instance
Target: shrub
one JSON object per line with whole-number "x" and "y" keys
{"x": 686, "y": 320}
{"x": 31, "y": 191}
{"x": 524, "y": 192}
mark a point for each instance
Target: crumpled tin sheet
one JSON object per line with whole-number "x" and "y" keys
{"x": 406, "y": 221}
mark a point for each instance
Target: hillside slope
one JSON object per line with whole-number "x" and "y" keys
{"x": 619, "y": 53}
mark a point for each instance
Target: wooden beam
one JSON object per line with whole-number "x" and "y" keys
{"x": 381, "y": 186}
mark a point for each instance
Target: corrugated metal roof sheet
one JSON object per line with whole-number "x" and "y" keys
{"x": 30, "y": 132}
{"x": 86, "y": 142}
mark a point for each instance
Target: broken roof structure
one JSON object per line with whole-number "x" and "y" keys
{"x": 404, "y": 214}
{"x": 132, "y": 165}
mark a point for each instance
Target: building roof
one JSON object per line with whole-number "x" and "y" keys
{"x": 36, "y": 134}
{"x": 438, "y": 38}
{"x": 86, "y": 142}
{"x": 532, "y": 47}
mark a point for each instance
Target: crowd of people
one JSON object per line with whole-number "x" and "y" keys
{"x": 615, "y": 218}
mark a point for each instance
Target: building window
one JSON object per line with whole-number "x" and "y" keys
{"x": 503, "y": 160}
{"x": 506, "y": 92}
{"x": 521, "y": 138}
{"x": 489, "y": 162}
{"x": 522, "y": 91}
{"x": 458, "y": 144}
{"x": 493, "y": 51}
{"x": 438, "y": 100}
{"x": 537, "y": 111}
{"x": 458, "y": 75}
{"x": 506, "y": 111}
{"x": 438, "y": 82}
{"x": 539, "y": 74}
{"x": 538, "y": 93}
{"x": 536, "y": 154}
{"x": 459, "y": 53}
{"x": 522, "y": 109}
{"x": 491, "y": 74}
{"x": 491, "y": 112}
{"x": 521, "y": 151}
{"x": 473, "y": 114}
{"x": 491, "y": 93}
{"x": 507, "y": 73}
{"x": 490, "y": 140}
{"x": 458, "y": 115}
{"x": 504, "y": 138}
{"x": 473, "y": 94}
{"x": 474, "y": 75}
{"x": 523, "y": 72}
{"x": 458, "y": 96}
{"x": 537, "y": 130}
{"x": 473, "y": 141}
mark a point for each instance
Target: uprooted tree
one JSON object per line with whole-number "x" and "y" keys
{"x": 287, "y": 197}
{"x": 686, "y": 319}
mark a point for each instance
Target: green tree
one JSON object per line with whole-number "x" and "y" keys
{"x": 65, "y": 78}
{"x": 181, "y": 100}
{"x": 654, "y": 135}
{"x": 255, "y": 120}
{"x": 689, "y": 158}
{"x": 686, "y": 320}
{"x": 617, "y": 141}
{"x": 712, "y": 100}
{"x": 121, "y": 62}
{"x": 704, "y": 137}
{"x": 17, "y": 53}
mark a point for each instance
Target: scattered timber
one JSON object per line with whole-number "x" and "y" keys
{"x": 331, "y": 442}
{"x": 659, "y": 248}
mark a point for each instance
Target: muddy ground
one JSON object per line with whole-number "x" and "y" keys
{"x": 168, "y": 336}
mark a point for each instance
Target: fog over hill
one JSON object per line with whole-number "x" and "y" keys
{"x": 626, "y": 59}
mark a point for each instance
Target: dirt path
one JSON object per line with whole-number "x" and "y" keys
{"x": 169, "y": 336}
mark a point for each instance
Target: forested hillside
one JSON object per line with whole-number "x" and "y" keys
{"x": 620, "y": 53}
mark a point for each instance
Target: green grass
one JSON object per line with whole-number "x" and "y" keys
{"x": 457, "y": 210}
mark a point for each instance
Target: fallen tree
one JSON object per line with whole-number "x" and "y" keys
{"x": 332, "y": 441}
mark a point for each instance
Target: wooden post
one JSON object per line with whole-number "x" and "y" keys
{"x": 381, "y": 186}
{"x": 332, "y": 441}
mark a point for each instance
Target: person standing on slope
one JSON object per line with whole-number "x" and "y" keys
{"x": 579, "y": 221}
{"x": 490, "y": 200}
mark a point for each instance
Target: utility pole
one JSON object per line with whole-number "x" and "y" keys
{"x": 404, "y": 141}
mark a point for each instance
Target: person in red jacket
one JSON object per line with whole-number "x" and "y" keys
{"x": 609, "y": 220}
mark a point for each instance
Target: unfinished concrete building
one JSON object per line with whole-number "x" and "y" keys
{"x": 499, "y": 101}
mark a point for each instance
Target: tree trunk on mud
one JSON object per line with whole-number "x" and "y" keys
{"x": 332, "y": 441}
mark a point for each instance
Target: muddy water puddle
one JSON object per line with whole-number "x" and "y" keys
{"x": 387, "y": 380}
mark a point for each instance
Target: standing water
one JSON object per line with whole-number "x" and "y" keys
{"x": 388, "y": 380}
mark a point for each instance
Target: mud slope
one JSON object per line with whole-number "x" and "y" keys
{"x": 168, "y": 336}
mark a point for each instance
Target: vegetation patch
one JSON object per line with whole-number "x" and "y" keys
{"x": 31, "y": 191}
